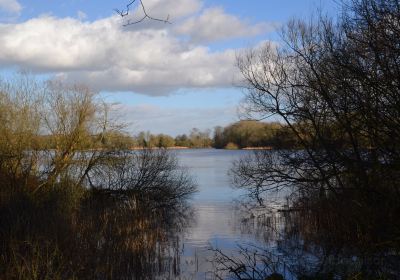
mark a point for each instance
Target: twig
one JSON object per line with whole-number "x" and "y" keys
{"x": 125, "y": 13}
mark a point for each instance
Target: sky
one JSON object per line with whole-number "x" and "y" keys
{"x": 163, "y": 77}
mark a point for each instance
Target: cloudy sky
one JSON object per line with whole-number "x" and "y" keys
{"x": 166, "y": 77}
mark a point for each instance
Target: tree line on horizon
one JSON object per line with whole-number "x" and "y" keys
{"x": 238, "y": 135}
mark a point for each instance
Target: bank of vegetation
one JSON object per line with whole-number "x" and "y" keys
{"x": 253, "y": 134}
{"x": 73, "y": 205}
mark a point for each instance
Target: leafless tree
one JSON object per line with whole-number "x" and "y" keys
{"x": 335, "y": 84}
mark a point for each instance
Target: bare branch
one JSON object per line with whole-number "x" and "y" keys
{"x": 126, "y": 12}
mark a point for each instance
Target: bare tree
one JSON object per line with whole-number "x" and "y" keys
{"x": 335, "y": 84}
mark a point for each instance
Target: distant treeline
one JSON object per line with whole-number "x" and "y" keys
{"x": 239, "y": 135}
{"x": 251, "y": 133}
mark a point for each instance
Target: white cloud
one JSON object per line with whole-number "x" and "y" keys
{"x": 10, "y": 6}
{"x": 214, "y": 24}
{"x": 148, "y": 58}
{"x": 107, "y": 56}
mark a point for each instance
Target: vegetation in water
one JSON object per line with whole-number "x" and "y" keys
{"x": 73, "y": 211}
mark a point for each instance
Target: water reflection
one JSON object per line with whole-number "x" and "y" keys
{"x": 131, "y": 242}
{"x": 126, "y": 224}
{"x": 136, "y": 221}
{"x": 220, "y": 221}
{"x": 215, "y": 226}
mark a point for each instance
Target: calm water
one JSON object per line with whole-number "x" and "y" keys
{"x": 217, "y": 221}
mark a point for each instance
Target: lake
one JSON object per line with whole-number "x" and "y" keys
{"x": 218, "y": 221}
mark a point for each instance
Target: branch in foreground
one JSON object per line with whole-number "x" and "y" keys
{"x": 125, "y": 13}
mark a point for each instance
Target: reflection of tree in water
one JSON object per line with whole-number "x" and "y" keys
{"x": 299, "y": 243}
{"x": 132, "y": 241}
{"x": 257, "y": 221}
{"x": 259, "y": 259}
{"x": 126, "y": 226}
{"x": 146, "y": 210}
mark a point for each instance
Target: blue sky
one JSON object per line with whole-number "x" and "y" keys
{"x": 166, "y": 78}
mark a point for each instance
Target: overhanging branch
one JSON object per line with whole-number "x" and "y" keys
{"x": 126, "y": 12}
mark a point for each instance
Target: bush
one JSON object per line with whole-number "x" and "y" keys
{"x": 231, "y": 146}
